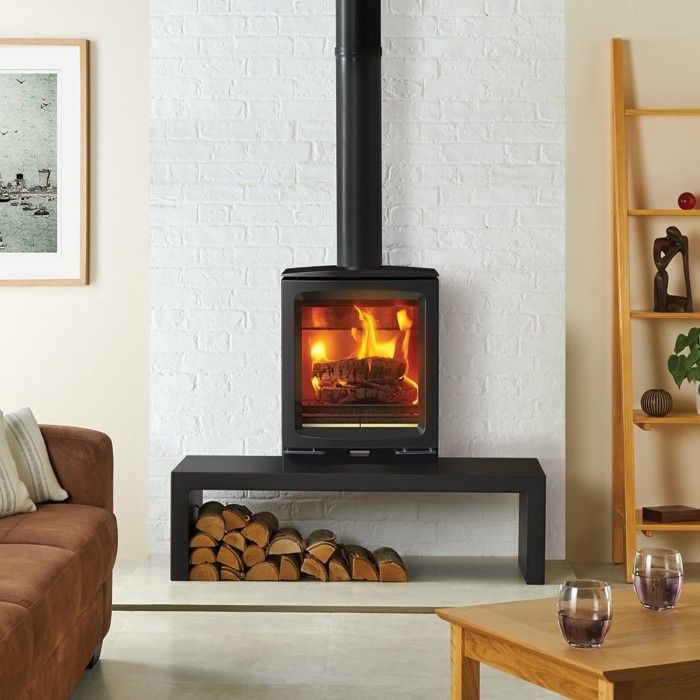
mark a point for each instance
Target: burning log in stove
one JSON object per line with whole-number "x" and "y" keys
{"x": 376, "y": 379}
{"x": 256, "y": 549}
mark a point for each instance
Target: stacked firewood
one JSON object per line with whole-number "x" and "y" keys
{"x": 234, "y": 544}
{"x": 379, "y": 379}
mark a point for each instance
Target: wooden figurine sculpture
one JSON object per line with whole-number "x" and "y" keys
{"x": 665, "y": 249}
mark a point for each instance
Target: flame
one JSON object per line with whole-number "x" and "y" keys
{"x": 403, "y": 320}
{"x": 369, "y": 346}
{"x": 405, "y": 324}
{"x": 319, "y": 352}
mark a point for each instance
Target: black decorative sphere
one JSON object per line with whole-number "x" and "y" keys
{"x": 656, "y": 402}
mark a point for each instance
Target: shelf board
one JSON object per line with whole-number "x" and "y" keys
{"x": 663, "y": 212}
{"x": 646, "y": 422}
{"x": 649, "y": 526}
{"x": 661, "y": 315}
{"x": 672, "y": 112}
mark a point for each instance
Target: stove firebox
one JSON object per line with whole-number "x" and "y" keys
{"x": 359, "y": 340}
{"x": 360, "y": 366}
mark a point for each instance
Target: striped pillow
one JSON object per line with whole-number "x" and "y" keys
{"x": 29, "y": 452}
{"x": 13, "y": 493}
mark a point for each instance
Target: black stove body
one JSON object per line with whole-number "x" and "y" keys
{"x": 359, "y": 340}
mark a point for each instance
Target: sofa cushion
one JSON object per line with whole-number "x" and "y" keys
{"x": 31, "y": 458}
{"x": 46, "y": 581}
{"x": 88, "y": 532}
{"x": 16, "y": 638}
{"x": 14, "y": 497}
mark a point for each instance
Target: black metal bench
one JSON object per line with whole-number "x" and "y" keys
{"x": 454, "y": 475}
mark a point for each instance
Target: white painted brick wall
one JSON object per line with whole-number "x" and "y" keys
{"x": 243, "y": 182}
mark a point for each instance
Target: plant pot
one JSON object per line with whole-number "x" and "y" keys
{"x": 696, "y": 386}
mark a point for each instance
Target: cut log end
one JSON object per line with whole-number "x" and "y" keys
{"x": 228, "y": 556}
{"x": 338, "y": 569}
{"x": 290, "y": 567}
{"x": 390, "y": 565}
{"x": 201, "y": 539}
{"x": 203, "y": 555}
{"x": 235, "y": 539}
{"x": 314, "y": 567}
{"x": 210, "y": 520}
{"x": 323, "y": 551}
{"x": 264, "y": 571}
{"x": 236, "y": 516}
{"x": 362, "y": 565}
{"x": 204, "y": 572}
{"x": 286, "y": 541}
{"x": 261, "y": 528}
{"x": 253, "y": 555}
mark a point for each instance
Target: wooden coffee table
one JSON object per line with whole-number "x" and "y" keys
{"x": 646, "y": 654}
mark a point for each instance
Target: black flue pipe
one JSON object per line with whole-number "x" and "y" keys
{"x": 359, "y": 133}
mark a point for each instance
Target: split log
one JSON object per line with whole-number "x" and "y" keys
{"x": 261, "y": 528}
{"x": 391, "y": 566}
{"x": 321, "y": 544}
{"x": 202, "y": 555}
{"x": 400, "y": 392}
{"x": 201, "y": 539}
{"x": 235, "y": 539}
{"x": 286, "y": 541}
{"x": 290, "y": 567}
{"x": 380, "y": 370}
{"x": 264, "y": 571}
{"x": 338, "y": 569}
{"x": 231, "y": 574}
{"x": 362, "y": 566}
{"x": 210, "y": 520}
{"x": 204, "y": 572}
{"x": 314, "y": 567}
{"x": 228, "y": 556}
{"x": 236, "y": 517}
{"x": 253, "y": 555}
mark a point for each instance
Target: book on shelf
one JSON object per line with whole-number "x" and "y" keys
{"x": 671, "y": 514}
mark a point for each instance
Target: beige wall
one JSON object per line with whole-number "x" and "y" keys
{"x": 79, "y": 355}
{"x": 665, "y": 63}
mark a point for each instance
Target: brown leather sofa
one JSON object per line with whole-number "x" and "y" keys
{"x": 56, "y": 573}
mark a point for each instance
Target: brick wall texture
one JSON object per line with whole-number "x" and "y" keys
{"x": 243, "y": 185}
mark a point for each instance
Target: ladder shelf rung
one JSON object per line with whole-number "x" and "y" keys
{"x": 658, "y": 112}
{"x": 668, "y": 315}
{"x": 663, "y": 212}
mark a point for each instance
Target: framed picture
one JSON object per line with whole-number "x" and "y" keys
{"x": 44, "y": 198}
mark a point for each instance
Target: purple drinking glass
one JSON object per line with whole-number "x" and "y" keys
{"x": 658, "y": 578}
{"x": 584, "y": 611}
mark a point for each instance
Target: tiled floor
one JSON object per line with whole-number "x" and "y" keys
{"x": 261, "y": 640}
{"x": 435, "y": 582}
{"x": 281, "y": 656}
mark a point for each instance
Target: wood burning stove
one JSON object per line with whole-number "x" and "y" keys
{"x": 359, "y": 340}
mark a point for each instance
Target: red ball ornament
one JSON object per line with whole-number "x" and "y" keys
{"x": 686, "y": 201}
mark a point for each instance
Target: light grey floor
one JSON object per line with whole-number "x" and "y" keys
{"x": 262, "y": 640}
{"x": 281, "y": 656}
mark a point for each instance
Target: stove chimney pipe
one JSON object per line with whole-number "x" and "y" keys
{"x": 359, "y": 133}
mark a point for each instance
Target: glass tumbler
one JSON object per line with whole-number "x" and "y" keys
{"x": 658, "y": 578}
{"x": 584, "y": 610}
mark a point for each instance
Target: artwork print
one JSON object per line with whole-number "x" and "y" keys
{"x": 29, "y": 184}
{"x": 44, "y": 161}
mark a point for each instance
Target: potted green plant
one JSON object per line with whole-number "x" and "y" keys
{"x": 686, "y": 365}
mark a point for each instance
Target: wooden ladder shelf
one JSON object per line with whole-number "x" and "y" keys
{"x": 626, "y": 518}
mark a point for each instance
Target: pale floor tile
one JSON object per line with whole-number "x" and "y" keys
{"x": 285, "y": 656}
{"x": 435, "y": 582}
